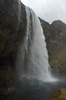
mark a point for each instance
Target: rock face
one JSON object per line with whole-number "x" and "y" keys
{"x": 59, "y": 95}
{"x": 56, "y": 44}
{"x": 12, "y": 31}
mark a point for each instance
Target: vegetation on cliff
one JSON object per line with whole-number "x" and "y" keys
{"x": 55, "y": 35}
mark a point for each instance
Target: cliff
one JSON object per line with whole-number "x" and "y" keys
{"x": 12, "y": 31}
{"x": 55, "y": 35}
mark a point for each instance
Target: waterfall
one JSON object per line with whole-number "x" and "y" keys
{"x": 32, "y": 59}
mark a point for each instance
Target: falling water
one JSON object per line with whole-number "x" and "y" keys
{"x": 32, "y": 60}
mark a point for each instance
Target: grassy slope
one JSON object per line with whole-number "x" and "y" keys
{"x": 59, "y": 59}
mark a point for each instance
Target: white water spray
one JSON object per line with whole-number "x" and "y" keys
{"x": 33, "y": 57}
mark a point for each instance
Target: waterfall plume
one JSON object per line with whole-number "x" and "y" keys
{"x": 32, "y": 59}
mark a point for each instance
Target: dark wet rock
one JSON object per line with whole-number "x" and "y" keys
{"x": 12, "y": 31}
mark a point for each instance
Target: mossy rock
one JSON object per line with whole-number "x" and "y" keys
{"x": 59, "y": 95}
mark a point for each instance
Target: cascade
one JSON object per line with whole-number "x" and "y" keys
{"x": 32, "y": 59}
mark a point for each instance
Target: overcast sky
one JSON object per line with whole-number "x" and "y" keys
{"x": 48, "y": 10}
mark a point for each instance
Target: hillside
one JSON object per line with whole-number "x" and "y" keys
{"x": 55, "y": 35}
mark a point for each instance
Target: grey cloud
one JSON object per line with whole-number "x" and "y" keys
{"x": 48, "y": 10}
